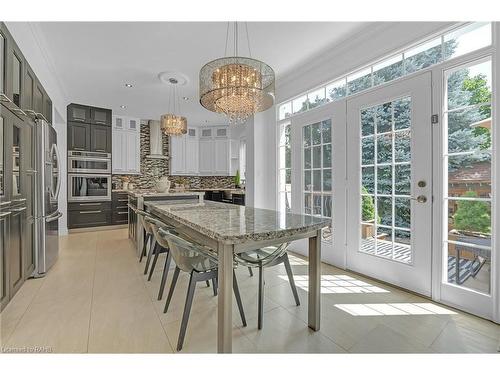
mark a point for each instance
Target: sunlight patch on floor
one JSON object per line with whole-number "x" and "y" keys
{"x": 376, "y": 309}
{"x": 337, "y": 284}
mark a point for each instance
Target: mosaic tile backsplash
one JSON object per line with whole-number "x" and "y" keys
{"x": 152, "y": 169}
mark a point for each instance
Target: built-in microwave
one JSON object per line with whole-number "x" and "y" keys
{"x": 89, "y": 187}
{"x": 89, "y": 162}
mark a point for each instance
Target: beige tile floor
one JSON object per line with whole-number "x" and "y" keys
{"x": 96, "y": 299}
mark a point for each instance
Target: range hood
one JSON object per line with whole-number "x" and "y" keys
{"x": 155, "y": 141}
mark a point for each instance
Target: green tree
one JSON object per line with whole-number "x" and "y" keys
{"x": 367, "y": 206}
{"x": 473, "y": 216}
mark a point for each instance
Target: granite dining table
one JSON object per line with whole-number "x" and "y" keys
{"x": 230, "y": 229}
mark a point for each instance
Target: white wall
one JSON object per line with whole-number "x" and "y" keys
{"x": 29, "y": 42}
{"x": 261, "y": 160}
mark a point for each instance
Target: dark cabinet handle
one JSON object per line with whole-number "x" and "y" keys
{"x": 91, "y": 212}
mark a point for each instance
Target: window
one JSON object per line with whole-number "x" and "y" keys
{"x": 467, "y": 39}
{"x": 468, "y": 129}
{"x": 359, "y": 81}
{"x": 455, "y": 43}
{"x": 285, "y": 169}
{"x": 317, "y": 170}
{"x": 385, "y": 180}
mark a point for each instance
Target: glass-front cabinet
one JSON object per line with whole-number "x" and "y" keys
{"x": 2, "y": 66}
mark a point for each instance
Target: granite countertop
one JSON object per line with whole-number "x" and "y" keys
{"x": 171, "y": 193}
{"x": 235, "y": 224}
{"x": 232, "y": 190}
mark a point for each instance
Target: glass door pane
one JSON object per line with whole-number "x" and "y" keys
{"x": 467, "y": 159}
{"x": 317, "y": 170}
{"x": 385, "y": 180}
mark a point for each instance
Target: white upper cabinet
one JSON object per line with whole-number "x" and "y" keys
{"x": 126, "y": 152}
{"x": 184, "y": 153}
{"x": 191, "y": 152}
{"x": 207, "y": 157}
{"x": 221, "y": 157}
{"x": 177, "y": 157}
{"x": 202, "y": 151}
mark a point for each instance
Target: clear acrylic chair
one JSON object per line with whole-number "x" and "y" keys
{"x": 160, "y": 248}
{"x": 202, "y": 265}
{"x": 268, "y": 257}
{"x": 148, "y": 234}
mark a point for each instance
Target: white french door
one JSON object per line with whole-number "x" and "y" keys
{"x": 389, "y": 184}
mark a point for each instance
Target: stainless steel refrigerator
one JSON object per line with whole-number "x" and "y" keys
{"x": 48, "y": 184}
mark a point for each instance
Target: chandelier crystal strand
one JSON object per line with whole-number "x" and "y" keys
{"x": 237, "y": 86}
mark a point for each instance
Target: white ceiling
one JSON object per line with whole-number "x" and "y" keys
{"x": 94, "y": 60}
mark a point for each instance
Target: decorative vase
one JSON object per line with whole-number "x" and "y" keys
{"x": 163, "y": 185}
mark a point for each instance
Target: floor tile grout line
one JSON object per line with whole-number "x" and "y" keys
{"x": 25, "y": 311}
{"x": 439, "y": 335}
{"x": 92, "y": 297}
{"x": 151, "y": 300}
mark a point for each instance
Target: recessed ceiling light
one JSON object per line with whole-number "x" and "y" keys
{"x": 129, "y": 85}
{"x": 185, "y": 98}
{"x": 123, "y": 106}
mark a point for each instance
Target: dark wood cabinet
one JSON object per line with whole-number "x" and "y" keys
{"x": 29, "y": 91}
{"x": 21, "y": 96}
{"x": 100, "y": 138}
{"x": 89, "y": 128}
{"x": 16, "y": 248}
{"x": 119, "y": 207}
{"x": 100, "y": 116}
{"x": 89, "y": 214}
{"x": 47, "y": 109}
{"x": 88, "y": 218}
{"x": 78, "y": 137}
{"x": 4, "y": 265}
{"x": 78, "y": 113}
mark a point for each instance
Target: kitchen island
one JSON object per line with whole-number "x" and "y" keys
{"x": 136, "y": 200}
{"x": 230, "y": 229}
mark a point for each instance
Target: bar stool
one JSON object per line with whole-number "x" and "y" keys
{"x": 202, "y": 265}
{"x": 267, "y": 257}
{"x": 162, "y": 247}
{"x": 148, "y": 232}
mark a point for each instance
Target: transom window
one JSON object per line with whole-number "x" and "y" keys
{"x": 467, "y": 157}
{"x": 448, "y": 45}
{"x": 385, "y": 180}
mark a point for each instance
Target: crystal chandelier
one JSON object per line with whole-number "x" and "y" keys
{"x": 236, "y": 86}
{"x": 172, "y": 124}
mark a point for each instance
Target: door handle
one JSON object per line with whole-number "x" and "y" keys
{"x": 54, "y": 218}
{"x": 420, "y": 199}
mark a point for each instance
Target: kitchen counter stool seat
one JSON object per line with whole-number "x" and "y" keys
{"x": 202, "y": 265}
{"x": 268, "y": 257}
